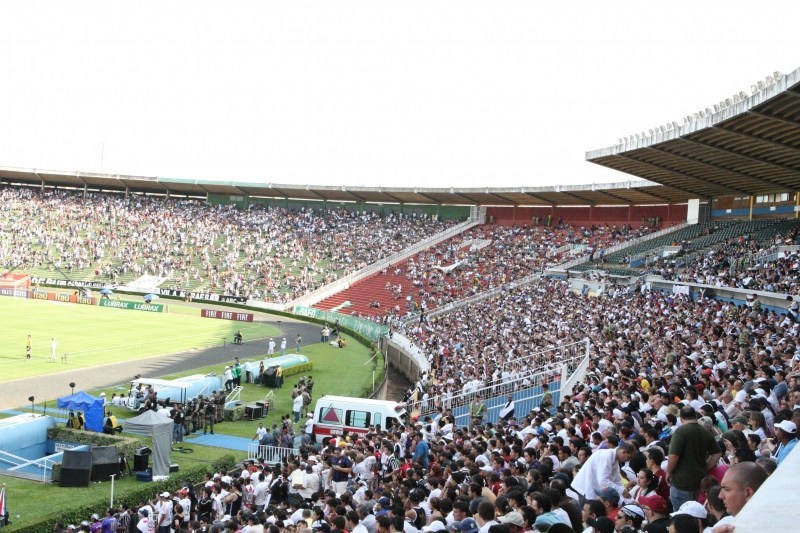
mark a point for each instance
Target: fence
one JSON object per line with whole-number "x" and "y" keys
{"x": 367, "y": 328}
{"x": 623, "y": 245}
{"x": 526, "y": 390}
{"x": 272, "y": 455}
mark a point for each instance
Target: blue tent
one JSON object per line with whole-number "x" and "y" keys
{"x": 93, "y": 409}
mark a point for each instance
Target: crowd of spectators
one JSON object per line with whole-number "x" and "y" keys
{"x": 487, "y": 257}
{"x": 266, "y": 253}
{"x": 686, "y": 409}
{"x": 746, "y": 264}
{"x": 659, "y": 361}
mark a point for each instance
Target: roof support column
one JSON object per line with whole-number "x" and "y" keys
{"x": 591, "y": 213}
{"x": 669, "y": 213}
{"x": 514, "y": 215}
{"x": 630, "y": 213}
{"x": 796, "y": 205}
{"x": 85, "y": 190}
{"x": 752, "y": 203}
{"x": 127, "y": 192}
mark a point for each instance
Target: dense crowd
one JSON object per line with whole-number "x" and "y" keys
{"x": 487, "y": 257}
{"x": 271, "y": 254}
{"x": 686, "y": 408}
{"x": 747, "y": 267}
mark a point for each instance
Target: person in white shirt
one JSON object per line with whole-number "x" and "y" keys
{"x": 311, "y": 484}
{"x": 261, "y": 493}
{"x": 602, "y": 470}
{"x": 164, "y": 512}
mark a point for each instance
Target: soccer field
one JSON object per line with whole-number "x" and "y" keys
{"x": 89, "y": 335}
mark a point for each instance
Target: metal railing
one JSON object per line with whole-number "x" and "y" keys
{"x": 271, "y": 455}
{"x": 623, "y": 245}
{"x": 526, "y": 390}
{"x": 343, "y": 283}
{"x": 563, "y": 353}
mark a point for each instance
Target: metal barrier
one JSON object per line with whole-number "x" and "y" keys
{"x": 526, "y": 390}
{"x": 272, "y": 455}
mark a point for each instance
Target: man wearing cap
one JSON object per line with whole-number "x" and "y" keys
{"x": 655, "y": 511}
{"x": 695, "y": 510}
{"x": 468, "y": 525}
{"x": 164, "y": 512}
{"x": 629, "y": 515}
{"x": 145, "y": 524}
{"x": 513, "y": 521}
{"x": 693, "y": 451}
{"x": 786, "y": 434}
{"x": 609, "y": 497}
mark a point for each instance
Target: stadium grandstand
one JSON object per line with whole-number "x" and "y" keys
{"x": 606, "y": 313}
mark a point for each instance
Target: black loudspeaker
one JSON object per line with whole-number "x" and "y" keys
{"x": 76, "y": 469}
{"x": 105, "y": 463}
{"x": 251, "y": 412}
{"x": 141, "y": 459}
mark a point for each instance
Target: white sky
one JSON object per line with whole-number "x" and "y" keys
{"x": 393, "y": 93}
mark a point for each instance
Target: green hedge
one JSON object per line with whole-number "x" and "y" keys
{"x": 298, "y": 369}
{"x": 146, "y": 491}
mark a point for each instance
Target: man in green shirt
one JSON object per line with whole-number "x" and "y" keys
{"x": 693, "y": 451}
{"x": 477, "y": 412}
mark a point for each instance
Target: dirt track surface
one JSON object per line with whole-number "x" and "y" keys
{"x": 15, "y": 393}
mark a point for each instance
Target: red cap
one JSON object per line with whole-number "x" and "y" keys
{"x": 655, "y": 502}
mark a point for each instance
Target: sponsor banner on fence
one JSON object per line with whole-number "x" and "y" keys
{"x": 133, "y": 306}
{"x": 69, "y": 283}
{"x": 204, "y": 296}
{"x": 369, "y": 329}
{"x": 62, "y": 297}
{"x": 8, "y": 291}
{"x": 226, "y": 315}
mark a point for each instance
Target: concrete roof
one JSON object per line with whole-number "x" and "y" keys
{"x": 748, "y": 144}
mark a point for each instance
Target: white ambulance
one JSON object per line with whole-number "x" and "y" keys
{"x": 333, "y": 415}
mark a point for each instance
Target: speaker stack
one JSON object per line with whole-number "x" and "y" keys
{"x": 105, "y": 463}
{"x": 141, "y": 459}
{"x": 76, "y": 469}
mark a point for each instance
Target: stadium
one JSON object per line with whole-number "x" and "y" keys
{"x": 590, "y": 311}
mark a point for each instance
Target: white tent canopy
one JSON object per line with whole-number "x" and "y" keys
{"x": 159, "y": 428}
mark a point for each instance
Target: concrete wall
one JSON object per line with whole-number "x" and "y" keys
{"x": 586, "y": 216}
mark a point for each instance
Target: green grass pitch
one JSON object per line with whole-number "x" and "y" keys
{"x": 89, "y": 335}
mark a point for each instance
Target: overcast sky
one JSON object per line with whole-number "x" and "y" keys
{"x": 392, "y": 93}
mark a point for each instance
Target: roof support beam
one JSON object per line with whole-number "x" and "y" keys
{"x": 658, "y": 196}
{"x": 788, "y": 122}
{"x": 686, "y": 176}
{"x": 573, "y": 195}
{"x": 756, "y": 138}
{"x": 545, "y": 201}
{"x": 738, "y": 154}
{"x": 432, "y": 200}
{"x": 713, "y": 165}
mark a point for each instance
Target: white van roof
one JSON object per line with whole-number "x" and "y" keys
{"x": 348, "y": 399}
